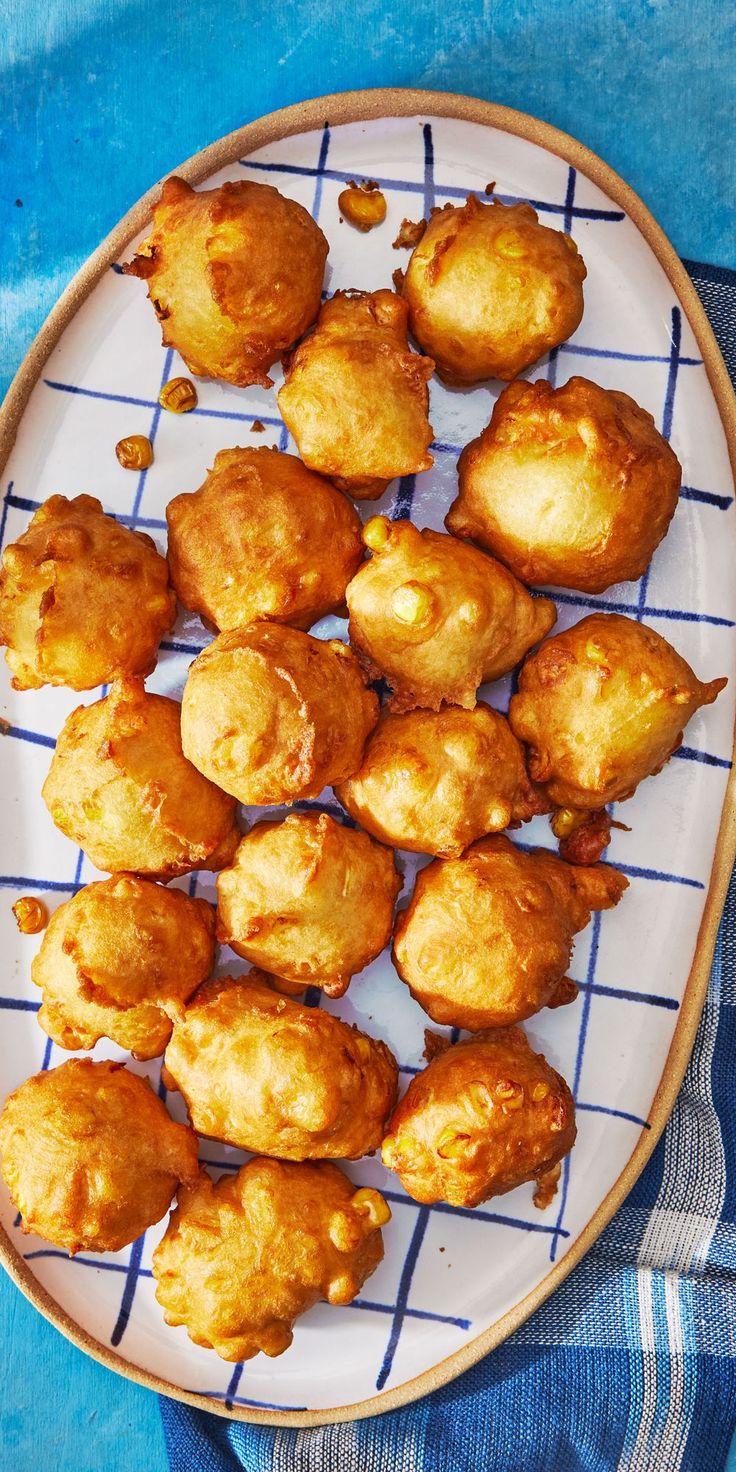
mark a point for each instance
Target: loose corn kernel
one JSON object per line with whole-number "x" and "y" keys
{"x": 371, "y": 1204}
{"x": 31, "y": 915}
{"x": 540, "y": 1092}
{"x": 362, "y": 208}
{"x": 412, "y": 603}
{"x": 179, "y": 396}
{"x": 452, "y": 1143}
{"x": 376, "y": 533}
{"x": 135, "y": 452}
{"x": 510, "y": 245}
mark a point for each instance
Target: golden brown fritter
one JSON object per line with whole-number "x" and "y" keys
{"x": 262, "y": 538}
{"x": 487, "y": 938}
{"x": 241, "y": 1260}
{"x": 355, "y": 398}
{"x": 263, "y": 1072}
{"x": 119, "y": 961}
{"x": 91, "y": 1157}
{"x": 83, "y": 600}
{"x": 490, "y": 290}
{"x": 482, "y": 1118}
{"x": 120, "y": 787}
{"x": 432, "y": 781}
{"x": 601, "y": 706}
{"x": 234, "y": 275}
{"x": 271, "y": 714}
{"x": 573, "y": 486}
{"x": 437, "y": 617}
{"x": 309, "y": 900}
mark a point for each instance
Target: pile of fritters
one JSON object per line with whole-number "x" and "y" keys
{"x": 572, "y": 486}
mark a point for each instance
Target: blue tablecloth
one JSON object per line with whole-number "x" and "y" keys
{"x": 101, "y": 97}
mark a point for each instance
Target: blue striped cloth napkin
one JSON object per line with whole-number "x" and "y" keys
{"x": 631, "y": 1364}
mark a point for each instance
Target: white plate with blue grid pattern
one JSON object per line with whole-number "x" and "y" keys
{"x": 450, "y": 1278}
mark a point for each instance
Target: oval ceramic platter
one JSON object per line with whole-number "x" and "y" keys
{"x": 453, "y": 1282}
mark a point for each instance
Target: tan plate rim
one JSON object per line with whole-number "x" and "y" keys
{"x": 358, "y": 106}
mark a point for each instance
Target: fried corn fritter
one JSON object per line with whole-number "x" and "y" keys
{"x": 432, "y": 781}
{"x": 355, "y": 397}
{"x": 601, "y": 706}
{"x": 309, "y": 900}
{"x": 487, "y": 938}
{"x": 83, "y": 600}
{"x": 119, "y": 960}
{"x": 262, "y": 538}
{"x": 241, "y": 1260}
{"x": 120, "y": 787}
{"x": 490, "y": 290}
{"x": 437, "y": 617}
{"x": 271, "y": 714}
{"x": 573, "y": 486}
{"x": 234, "y": 275}
{"x": 90, "y": 1156}
{"x": 261, "y": 1071}
{"x": 482, "y": 1118}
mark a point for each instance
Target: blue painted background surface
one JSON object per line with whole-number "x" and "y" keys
{"x": 99, "y": 98}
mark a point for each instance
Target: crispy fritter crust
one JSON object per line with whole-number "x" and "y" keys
{"x": 120, "y": 787}
{"x": 487, "y": 938}
{"x": 234, "y": 275}
{"x": 262, "y": 538}
{"x": 119, "y": 961}
{"x": 601, "y": 706}
{"x": 490, "y": 290}
{"x": 433, "y": 781}
{"x": 475, "y": 620}
{"x": 482, "y": 1118}
{"x": 271, "y": 714}
{"x": 573, "y": 486}
{"x": 263, "y": 1072}
{"x": 355, "y": 398}
{"x": 90, "y": 1155}
{"x": 241, "y": 1260}
{"x": 83, "y": 600}
{"x": 309, "y": 900}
